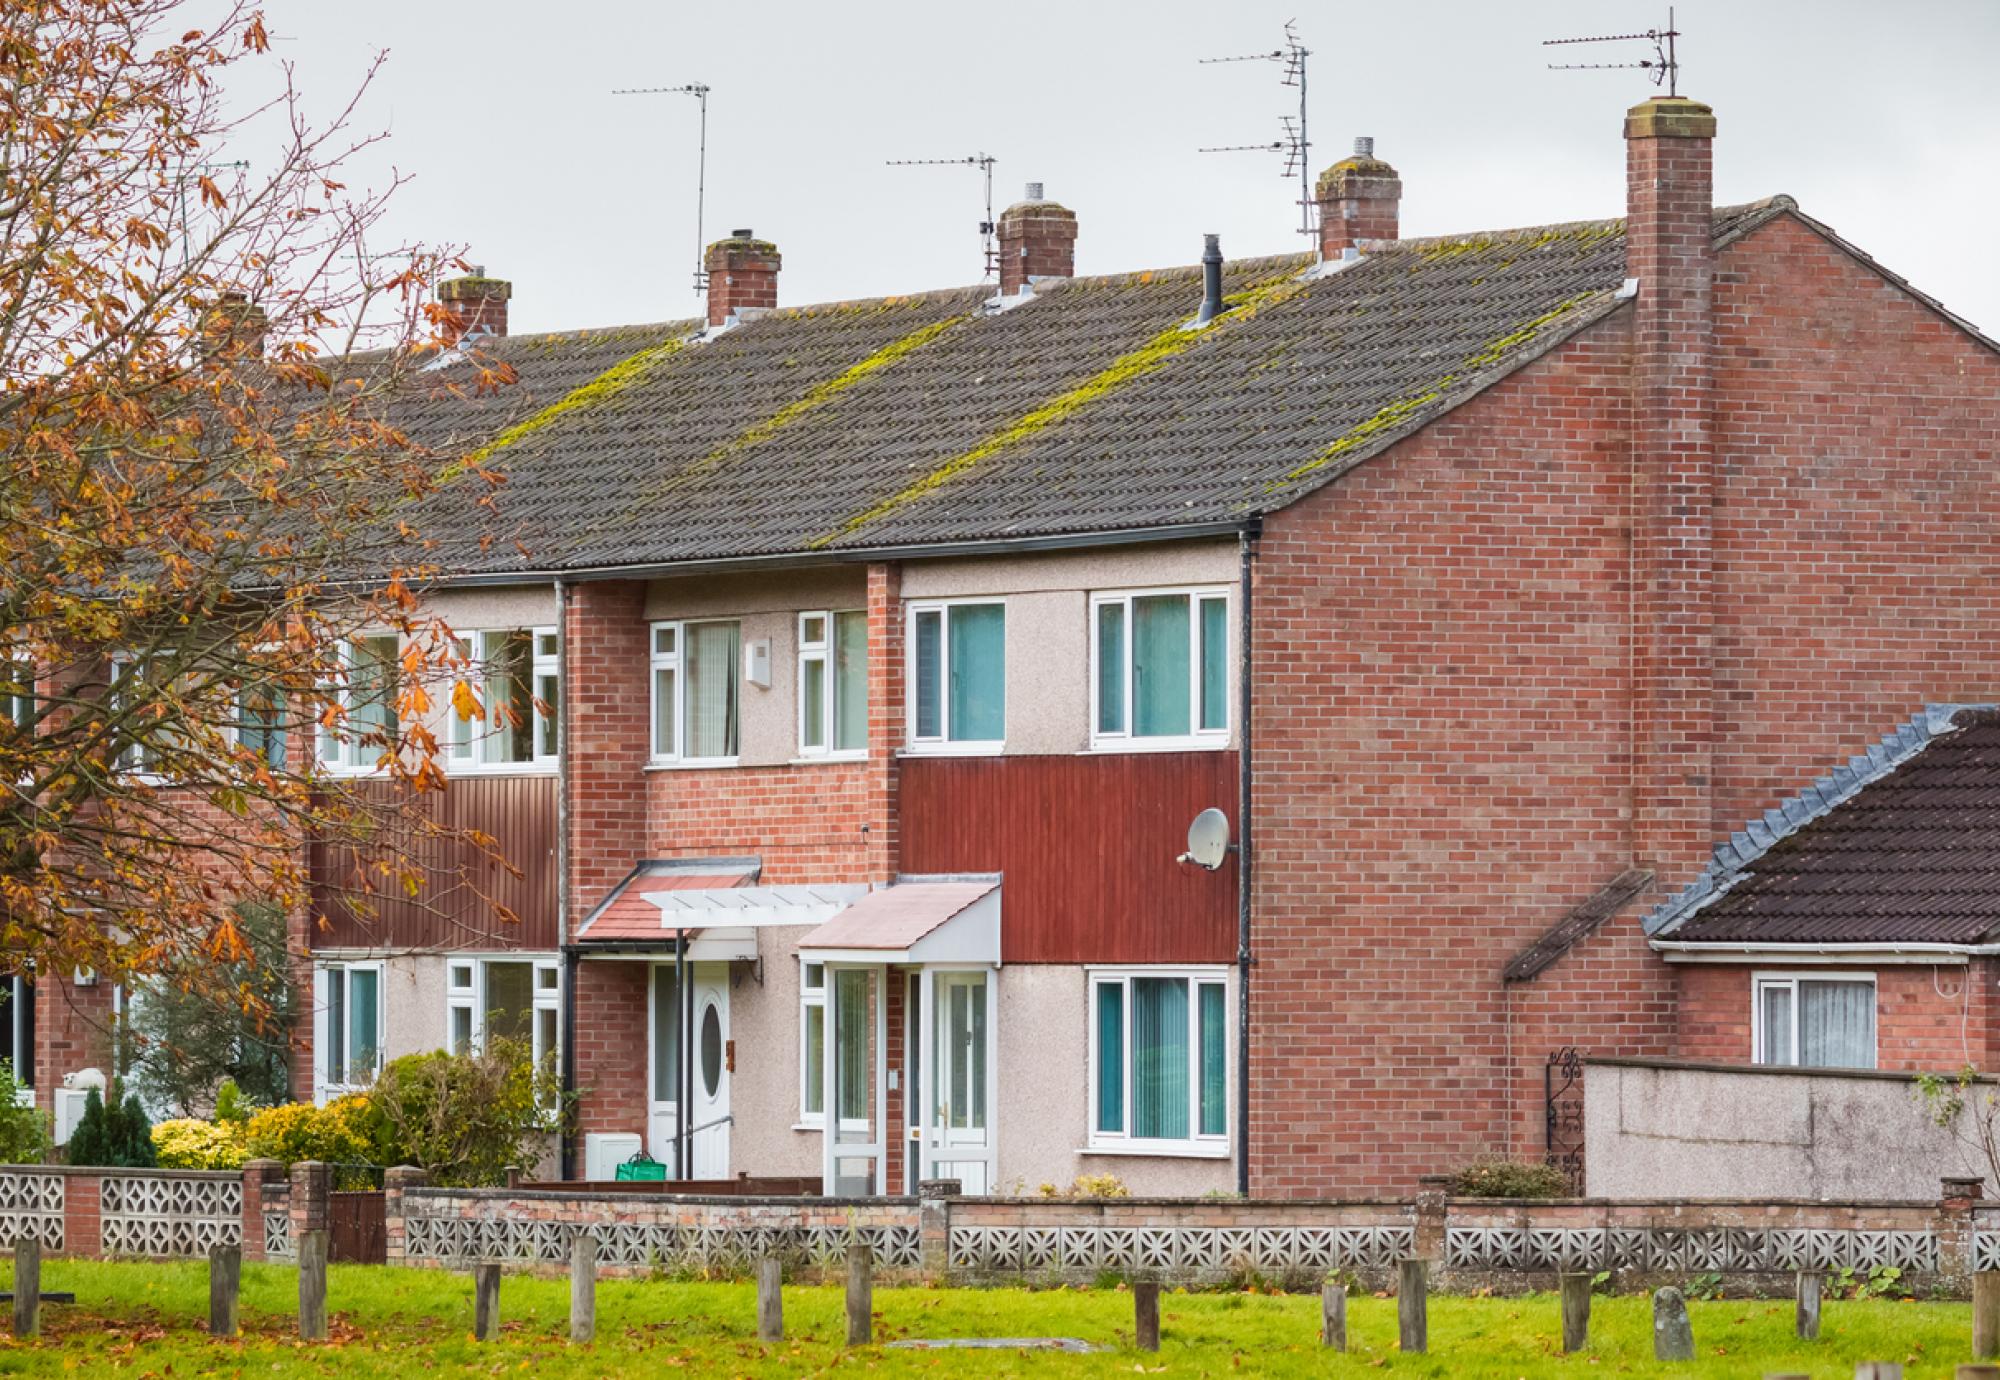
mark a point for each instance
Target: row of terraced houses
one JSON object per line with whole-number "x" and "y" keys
{"x": 1484, "y": 584}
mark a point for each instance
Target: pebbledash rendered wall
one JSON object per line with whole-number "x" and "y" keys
{"x": 970, "y": 1241}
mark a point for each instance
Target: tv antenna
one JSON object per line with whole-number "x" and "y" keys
{"x": 1666, "y": 69}
{"x": 1294, "y": 143}
{"x": 196, "y": 173}
{"x": 984, "y": 162}
{"x": 700, "y": 93}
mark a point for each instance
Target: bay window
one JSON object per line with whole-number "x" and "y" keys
{"x": 696, "y": 692}
{"x": 1160, "y": 669}
{"x": 348, "y": 1047}
{"x": 1818, "y": 1020}
{"x": 958, "y": 676}
{"x": 365, "y": 688}
{"x": 513, "y": 679}
{"x": 1159, "y": 1073}
{"x": 833, "y": 683}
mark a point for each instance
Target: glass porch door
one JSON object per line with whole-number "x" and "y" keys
{"x": 856, "y": 1102}
{"x": 961, "y": 1078}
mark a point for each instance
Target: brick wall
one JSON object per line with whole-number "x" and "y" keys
{"x": 807, "y": 823}
{"x": 1926, "y": 1018}
{"x": 607, "y": 703}
{"x": 611, "y": 1054}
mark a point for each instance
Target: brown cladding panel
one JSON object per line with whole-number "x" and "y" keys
{"x": 1087, "y": 847}
{"x": 460, "y": 904}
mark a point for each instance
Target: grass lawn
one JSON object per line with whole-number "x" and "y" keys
{"x": 148, "y": 1320}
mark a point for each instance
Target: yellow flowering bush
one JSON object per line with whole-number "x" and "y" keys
{"x": 336, "y": 1133}
{"x": 189, "y": 1143}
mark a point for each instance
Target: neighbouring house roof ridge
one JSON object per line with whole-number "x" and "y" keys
{"x": 1734, "y": 858}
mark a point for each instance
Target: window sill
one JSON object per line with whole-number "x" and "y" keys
{"x": 457, "y": 769}
{"x": 813, "y": 1126}
{"x": 829, "y": 759}
{"x": 1114, "y": 746}
{"x": 1162, "y": 1150}
{"x": 697, "y": 764}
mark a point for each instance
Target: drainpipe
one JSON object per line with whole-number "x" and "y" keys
{"x": 1246, "y": 558}
{"x": 683, "y": 1142}
{"x": 567, "y": 1139}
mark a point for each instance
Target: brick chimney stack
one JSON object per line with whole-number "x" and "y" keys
{"x": 1670, "y": 250}
{"x": 1358, "y": 200}
{"x": 233, "y": 325}
{"x": 1037, "y": 240}
{"x": 479, "y": 303}
{"x": 742, "y": 272}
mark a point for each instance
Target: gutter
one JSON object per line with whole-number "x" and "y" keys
{"x": 1246, "y": 780}
{"x": 1694, "y": 951}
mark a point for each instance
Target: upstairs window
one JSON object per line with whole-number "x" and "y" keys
{"x": 260, "y": 723}
{"x": 17, "y": 693}
{"x": 513, "y": 679}
{"x": 366, "y": 688}
{"x": 1160, "y": 669}
{"x": 1159, "y": 1062}
{"x": 696, "y": 692}
{"x": 1822, "y": 1021}
{"x": 958, "y": 676}
{"x": 833, "y": 684}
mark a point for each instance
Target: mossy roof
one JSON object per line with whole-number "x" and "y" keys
{"x": 921, "y": 420}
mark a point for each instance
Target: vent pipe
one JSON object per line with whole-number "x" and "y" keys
{"x": 1211, "y": 279}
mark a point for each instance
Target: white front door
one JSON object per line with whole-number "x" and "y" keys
{"x": 962, "y": 1078}
{"x": 709, "y": 1120}
{"x": 663, "y": 1045}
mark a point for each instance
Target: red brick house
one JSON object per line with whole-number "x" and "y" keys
{"x": 1483, "y": 583}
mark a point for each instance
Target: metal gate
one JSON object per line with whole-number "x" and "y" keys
{"x": 1562, "y": 1093}
{"x": 357, "y": 1228}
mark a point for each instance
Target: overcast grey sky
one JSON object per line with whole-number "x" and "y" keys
{"x": 1883, "y": 120}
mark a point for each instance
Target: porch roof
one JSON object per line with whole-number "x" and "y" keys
{"x": 629, "y": 911}
{"x": 918, "y": 920}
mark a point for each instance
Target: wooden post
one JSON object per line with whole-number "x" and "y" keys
{"x": 1879, "y": 1370}
{"x": 1146, "y": 1314}
{"x": 312, "y": 1285}
{"x": 860, "y": 1294}
{"x": 486, "y": 1300}
{"x": 1986, "y": 1315}
{"x": 582, "y": 1288}
{"x": 1575, "y": 1311}
{"x": 27, "y": 1286}
{"x": 1413, "y": 1286}
{"x": 1807, "y": 1320}
{"x": 770, "y": 1299}
{"x": 225, "y": 1286}
{"x": 1673, "y": 1335}
{"x": 1333, "y": 1316}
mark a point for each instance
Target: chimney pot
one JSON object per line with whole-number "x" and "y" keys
{"x": 742, "y": 272}
{"x": 1211, "y": 279}
{"x": 478, "y": 302}
{"x": 1037, "y": 240}
{"x": 1359, "y": 199}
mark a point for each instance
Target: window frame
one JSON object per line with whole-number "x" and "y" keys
{"x": 462, "y": 747}
{"x": 823, "y": 652}
{"x": 325, "y": 1089}
{"x": 474, "y": 999}
{"x": 812, "y": 1006}
{"x": 676, "y": 661}
{"x": 1197, "y": 1144}
{"x": 943, "y": 744}
{"x": 1124, "y": 739}
{"x": 20, "y": 1018}
{"x": 350, "y": 746}
{"x": 1762, "y": 979}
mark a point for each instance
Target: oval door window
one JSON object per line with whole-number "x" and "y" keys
{"x": 711, "y": 1049}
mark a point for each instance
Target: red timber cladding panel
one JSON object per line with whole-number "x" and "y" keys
{"x": 1087, "y": 847}
{"x": 461, "y": 904}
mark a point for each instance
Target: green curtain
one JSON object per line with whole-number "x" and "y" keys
{"x": 1110, "y": 1057}
{"x": 510, "y": 999}
{"x": 978, "y": 672}
{"x": 1110, "y": 668}
{"x": 815, "y": 1089}
{"x": 1160, "y": 1058}
{"x": 812, "y": 720}
{"x": 1160, "y": 663}
{"x": 364, "y": 1000}
{"x": 1214, "y": 1068}
{"x": 930, "y": 662}
{"x": 1214, "y": 663}
{"x": 850, "y": 681}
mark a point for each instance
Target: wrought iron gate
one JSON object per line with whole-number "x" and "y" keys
{"x": 1562, "y": 1094}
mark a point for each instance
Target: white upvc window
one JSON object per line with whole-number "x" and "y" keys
{"x": 1159, "y": 669}
{"x": 366, "y": 688}
{"x": 260, "y": 722}
{"x": 17, "y": 691}
{"x": 1159, "y": 1061}
{"x": 833, "y": 683}
{"x": 1813, "y": 1020}
{"x": 958, "y": 675}
{"x": 347, "y": 1028}
{"x": 697, "y": 692}
{"x": 812, "y": 1044}
{"x": 512, "y": 676}
{"x": 515, "y": 996}
{"x": 17, "y": 1026}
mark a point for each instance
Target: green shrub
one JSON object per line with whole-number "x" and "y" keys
{"x": 1495, "y": 1176}
{"x": 300, "y": 1131}
{"x": 465, "y": 1118}
{"x": 24, "y": 1130}
{"x": 190, "y": 1143}
{"x": 112, "y": 1135}
{"x": 232, "y": 1108}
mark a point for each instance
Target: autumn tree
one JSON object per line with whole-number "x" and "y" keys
{"x": 208, "y": 515}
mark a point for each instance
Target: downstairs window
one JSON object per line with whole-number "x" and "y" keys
{"x": 1159, "y": 1070}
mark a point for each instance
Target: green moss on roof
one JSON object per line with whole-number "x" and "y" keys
{"x": 599, "y": 390}
{"x": 1134, "y": 364}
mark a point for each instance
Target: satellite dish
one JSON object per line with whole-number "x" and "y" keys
{"x": 1208, "y": 840}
